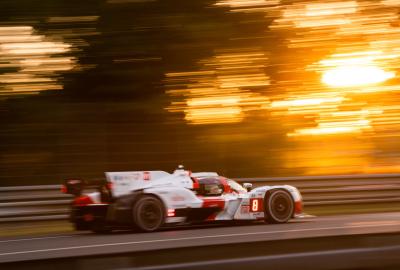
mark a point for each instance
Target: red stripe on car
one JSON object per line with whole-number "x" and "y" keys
{"x": 212, "y": 217}
{"x": 224, "y": 182}
{"x": 82, "y": 201}
{"x": 213, "y": 202}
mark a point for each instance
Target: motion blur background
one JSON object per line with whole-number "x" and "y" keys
{"x": 244, "y": 87}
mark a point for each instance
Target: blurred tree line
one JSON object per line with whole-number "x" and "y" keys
{"x": 111, "y": 113}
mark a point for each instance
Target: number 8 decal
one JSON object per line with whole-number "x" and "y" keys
{"x": 254, "y": 206}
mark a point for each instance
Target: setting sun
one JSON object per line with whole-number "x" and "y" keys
{"x": 358, "y": 75}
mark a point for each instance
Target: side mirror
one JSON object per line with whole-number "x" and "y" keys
{"x": 248, "y": 186}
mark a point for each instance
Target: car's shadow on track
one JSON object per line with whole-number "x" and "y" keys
{"x": 203, "y": 226}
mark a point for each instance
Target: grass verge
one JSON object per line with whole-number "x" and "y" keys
{"x": 35, "y": 228}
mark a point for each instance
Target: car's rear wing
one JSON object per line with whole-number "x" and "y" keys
{"x": 116, "y": 183}
{"x": 77, "y": 187}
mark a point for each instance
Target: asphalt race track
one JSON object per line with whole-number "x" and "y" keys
{"x": 79, "y": 244}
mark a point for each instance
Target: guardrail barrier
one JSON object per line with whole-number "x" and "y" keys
{"x": 46, "y": 202}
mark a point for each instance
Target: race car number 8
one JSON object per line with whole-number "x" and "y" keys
{"x": 256, "y": 205}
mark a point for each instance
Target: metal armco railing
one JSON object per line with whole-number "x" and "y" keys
{"x": 31, "y": 203}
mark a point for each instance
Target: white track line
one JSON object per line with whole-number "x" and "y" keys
{"x": 188, "y": 238}
{"x": 35, "y": 238}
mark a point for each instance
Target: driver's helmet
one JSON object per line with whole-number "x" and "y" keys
{"x": 210, "y": 186}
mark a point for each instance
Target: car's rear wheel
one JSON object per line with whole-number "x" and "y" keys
{"x": 148, "y": 214}
{"x": 279, "y": 206}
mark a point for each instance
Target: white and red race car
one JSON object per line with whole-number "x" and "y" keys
{"x": 149, "y": 200}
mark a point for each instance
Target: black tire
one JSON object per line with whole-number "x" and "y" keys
{"x": 148, "y": 214}
{"x": 279, "y": 206}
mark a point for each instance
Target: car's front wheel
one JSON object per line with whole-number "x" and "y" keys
{"x": 148, "y": 214}
{"x": 279, "y": 206}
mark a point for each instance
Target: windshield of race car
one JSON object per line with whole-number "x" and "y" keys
{"x": 214, "y": 186}
{"x": 210, "y": 186}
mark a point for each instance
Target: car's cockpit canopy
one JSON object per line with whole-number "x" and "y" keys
{"x": 210, "y": 186}
{"x": 216, "y": 186}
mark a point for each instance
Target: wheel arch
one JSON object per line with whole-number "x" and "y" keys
{"x": 271, "y": 190}
{"x": 154, "y": 195}
{"x": 294, "y": 193}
